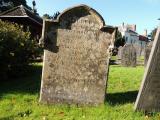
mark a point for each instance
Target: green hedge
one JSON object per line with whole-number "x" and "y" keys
{"x": 17, "y": 50}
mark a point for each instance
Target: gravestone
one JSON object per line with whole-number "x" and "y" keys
{"x": 148, "y": 98}
{"x": 119, "y": 53}
{"x": 147, "y": 52}
{"x": 128, "y": 56}
{"x": 76, "y": 57}
{"x": 139, "y": 53}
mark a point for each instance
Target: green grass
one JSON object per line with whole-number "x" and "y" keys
{"x": 113, "y": 57}
{"x": 19, "y": 99}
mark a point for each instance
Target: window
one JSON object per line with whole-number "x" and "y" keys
{"x": 126, "y": 39}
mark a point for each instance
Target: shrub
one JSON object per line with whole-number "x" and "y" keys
{"x": 17, "y": 49}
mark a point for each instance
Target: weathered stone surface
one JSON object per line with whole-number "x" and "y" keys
{"x": 139, "y": 50}
{"x": 119, "y": 55}
{"x": 147, "y": 52}
{"x": 76, "y": 57}
{"x": 149, "y": 94}
{"x": 128, "y": 56}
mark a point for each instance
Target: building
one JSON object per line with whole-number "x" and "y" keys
{"x": 129, "y": 33}
{"x": 23, "y": 16}
{"x": 132, "y": 37}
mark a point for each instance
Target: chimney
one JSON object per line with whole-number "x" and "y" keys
{"x": 34, "y": 6}
{"x": 145, "y": 33}
{"x": 134, "y": 27}
{"x": 123, "y": 24}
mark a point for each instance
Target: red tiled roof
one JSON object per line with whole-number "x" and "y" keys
{"x": 143, "y": 38}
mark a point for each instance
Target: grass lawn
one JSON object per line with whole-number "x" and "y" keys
{"x": 19, "y": 99}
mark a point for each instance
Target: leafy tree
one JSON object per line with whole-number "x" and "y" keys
{"x": 47, "y": 16}
{"x": 119, "y": 40}
{"x": 18, "y": 2}
{"x": 12, "y": 3}
{"x": 56, "y": 15}
{"x": 17, "y": 50}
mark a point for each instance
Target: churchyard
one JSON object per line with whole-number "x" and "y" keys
{"x": 77, "y": 79}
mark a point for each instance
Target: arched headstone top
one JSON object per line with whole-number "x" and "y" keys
{"x": 77, "y": 13}
{"x": 78, "y": 19}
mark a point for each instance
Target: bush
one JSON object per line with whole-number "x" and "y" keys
{"x": 17, "y": 50}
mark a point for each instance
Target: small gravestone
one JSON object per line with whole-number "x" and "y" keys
{"x": 148, "y": 99}
{"x": 76, "y": 57}
{"x": 128, "y": 56}
{"x": 139, "y": 53}
{"x": 147, "y": 52}
{"x": 119, "y": 53}
{"x": 139, "y": 50}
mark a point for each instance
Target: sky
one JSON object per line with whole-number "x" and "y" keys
{"x": 143, "y": 13}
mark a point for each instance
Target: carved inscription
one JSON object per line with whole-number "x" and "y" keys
{"x": 77, "y": 71}
{"x": 149, "y": 94}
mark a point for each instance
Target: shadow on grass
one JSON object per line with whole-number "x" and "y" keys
{"x": 121, "y": 98}
{"x": 8, "y": 118}
{"x": 29, "y": 84}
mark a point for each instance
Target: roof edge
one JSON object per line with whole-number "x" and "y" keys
{"x": 9, "y": 10}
